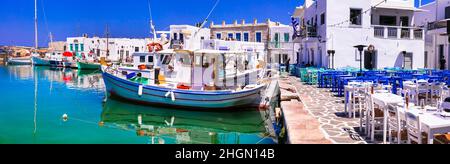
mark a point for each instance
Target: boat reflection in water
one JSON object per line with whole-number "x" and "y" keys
{"x": 167, "y": 126}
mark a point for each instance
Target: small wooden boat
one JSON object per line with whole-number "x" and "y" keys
{"x": 88, "y": 66}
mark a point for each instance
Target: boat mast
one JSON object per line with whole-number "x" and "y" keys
{"x": 35, "y": 25}
{"x": 107, "y": 41}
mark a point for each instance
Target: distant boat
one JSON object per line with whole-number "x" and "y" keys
{"x": 19, "y": 61}
{"x": 88, "y": 66}
{"x": 38, "y": 61}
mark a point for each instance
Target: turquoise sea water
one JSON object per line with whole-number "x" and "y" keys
{"x": 34, "y": 116}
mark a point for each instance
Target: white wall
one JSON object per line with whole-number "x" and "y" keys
{"x": 116, "y": 46}
{"x": 339, "y": 35}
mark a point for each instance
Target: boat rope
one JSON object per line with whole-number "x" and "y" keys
{"x": 207, "y": 17}
{"x": 45, "y": 17}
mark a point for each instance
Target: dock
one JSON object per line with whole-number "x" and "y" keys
{"x": 314, "y": 116}
{"x": 301, "y": 127}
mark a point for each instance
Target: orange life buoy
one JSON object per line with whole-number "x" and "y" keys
{"x": 156, "y": 46}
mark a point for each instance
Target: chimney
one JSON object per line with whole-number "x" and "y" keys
{"x": 268, "y": 21}
{"x": 235, "y": 22}
{"x": 255, "y": 21}
{"x": 212, "y": 24}
{"x": 223, "y": 23}
{"x": 243, "y": 21}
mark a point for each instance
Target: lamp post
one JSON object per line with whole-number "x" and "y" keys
{"x": 331, "y": 54}
{"x": 360, "y": 49}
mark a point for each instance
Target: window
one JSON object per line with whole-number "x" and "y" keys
{"x": 150, "y": 59}
{"x": 71, "y": 47}
{"x": 167, "y": 59}
{"x": 404, "y": 21}
{"x": 355, "y": 17}
{"x": 76, "y": 47}
{"x": 322, "y": 19}
{"x": 218, "y": 35}
{"x": 426, "y": 59}
{"x": 175, "y": 36}
{"x": 181, "y": 38}
{"x": 136, "y": 49}
{"x": 258, "y": 37}
{"x": 246, "y": 37}
{"x": 287, "y": 37}
{"x": 238, "y": 36}
{"x": 128, "y": 53}
{"x": 230, "y": 35}
{"x": 82, "y": 47}
{"x": 388, "y": 20}
{"x": 142, "y": 59}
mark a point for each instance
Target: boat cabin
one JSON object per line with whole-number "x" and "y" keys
{"x": 196, "y": 70}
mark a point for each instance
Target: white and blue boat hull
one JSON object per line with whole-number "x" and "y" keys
{"x": 129, "y": 90}
{"x": 40, "y": 62}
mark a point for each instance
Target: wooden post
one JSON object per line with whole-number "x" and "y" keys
{"x": 236, "y": 70}
{"x": 224, "y": 70}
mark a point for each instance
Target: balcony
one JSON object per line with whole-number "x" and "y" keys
{"x": 308, "y": 32}
{"x": 281, "y": 45}
{"x": 398, "y": 32}
{"x": 437, "y": 25}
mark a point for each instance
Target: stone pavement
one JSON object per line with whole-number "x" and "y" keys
{"x": 327, "y": 109}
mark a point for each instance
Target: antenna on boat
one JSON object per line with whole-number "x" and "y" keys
{"x": 207, "y": 17}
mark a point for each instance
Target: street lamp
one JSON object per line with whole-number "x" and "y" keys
{"x": 331, "y": 54}
{"x": 360, "y": 49}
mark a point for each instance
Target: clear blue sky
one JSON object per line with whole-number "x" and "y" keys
{"x": 126, "y": 18}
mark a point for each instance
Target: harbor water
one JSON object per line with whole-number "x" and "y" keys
{"x": 33, "y": 101}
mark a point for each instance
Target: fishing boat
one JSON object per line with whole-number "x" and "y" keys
{"x": 19, "y": 61}
{"x": 38, "y": 61}
{"x": 88, "y": 66}
{"x": 202, "y": 79}
{"x": 62, "y": 60}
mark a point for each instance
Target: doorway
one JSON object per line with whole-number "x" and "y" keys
{"x": 442, "y": 61}
{"x": 370, "y": 60}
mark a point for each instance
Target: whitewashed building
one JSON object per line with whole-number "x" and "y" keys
{"x": 437, "y": 49}
{"x": 281, "y": 46}
{"x": 387, "y": 26}
{"x": 120, "y": 49}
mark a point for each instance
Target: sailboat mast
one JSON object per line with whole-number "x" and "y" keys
{"x": 107, "y": 41}
{"x": 35, "y": 25}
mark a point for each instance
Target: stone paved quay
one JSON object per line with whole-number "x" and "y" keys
{"x": 325, "y": 108}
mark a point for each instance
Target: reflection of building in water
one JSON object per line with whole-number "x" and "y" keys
{"x": 185, "y": 127}
{"x": 87, "y": 80}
